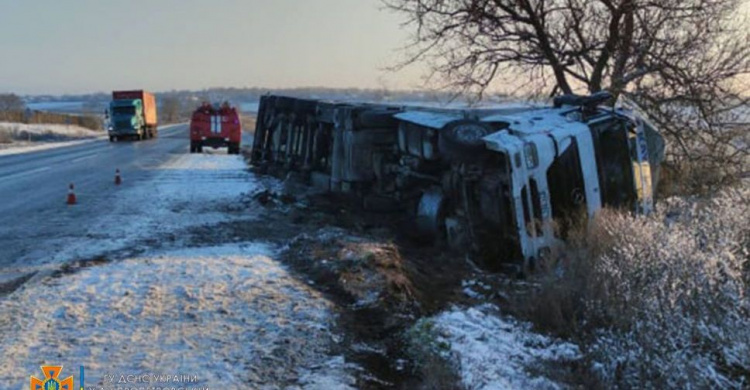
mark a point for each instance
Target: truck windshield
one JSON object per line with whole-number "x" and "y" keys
{"x": 567, "y": 188}
{"x": 127, "y": 110}
{"x": 614, "y": 162}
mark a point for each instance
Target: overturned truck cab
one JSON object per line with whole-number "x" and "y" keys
{"x": 508, "y": 183}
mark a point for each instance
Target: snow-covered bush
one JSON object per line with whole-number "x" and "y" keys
{"x": 665, "y": 299}
{"x": 487, "y": 351}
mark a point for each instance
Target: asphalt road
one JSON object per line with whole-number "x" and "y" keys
{"x": 34, "y": 186}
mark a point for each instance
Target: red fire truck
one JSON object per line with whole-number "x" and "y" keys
{"x": 215, "y": 126}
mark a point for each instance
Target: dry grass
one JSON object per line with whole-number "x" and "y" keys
{"x": 248, "y": 123}
{"x": 38, "y": 117}
{"x": 431, "y": 357}
{"x": 5, "y": 137}
{"x": 559, "y": 306}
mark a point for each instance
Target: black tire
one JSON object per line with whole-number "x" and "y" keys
{"x": 461, "y": 140}
{"x": 234, "y": 148}
{"x": 111, "y": 138}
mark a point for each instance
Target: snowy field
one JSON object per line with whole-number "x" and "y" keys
{"x": 21, "y": 137}
{"x": 228, "y": 313}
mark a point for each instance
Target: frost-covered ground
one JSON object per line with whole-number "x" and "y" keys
{"x": 189, "y": 190}
{"x": 228, "y": 313}
{"x": 231, "y": 315}
{"x": 21, "y": 138}
{"x": 490, "y": 351}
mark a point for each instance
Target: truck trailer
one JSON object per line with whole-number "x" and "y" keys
{"x": 215, "y": 126}
{"x": 133, "y": 115}
{"x": 507, "y": 184}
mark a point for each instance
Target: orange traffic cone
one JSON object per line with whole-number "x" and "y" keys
{"x": 71, "y": 195}
{"x": 118, "y": 179}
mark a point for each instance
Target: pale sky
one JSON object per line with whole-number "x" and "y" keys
{"x": 80, "y": 46}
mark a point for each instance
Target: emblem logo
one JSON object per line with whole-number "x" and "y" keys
{"x": 51, "y": 381}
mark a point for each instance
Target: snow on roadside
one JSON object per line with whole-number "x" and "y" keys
{"x": 33, "y": 137}
{"x": 40, "y": 129}
{"x": 189, "y": 190}
{"x": 493, "y": 352}
{"x": 230, "y": 315}
{"x": 28, "y": 147}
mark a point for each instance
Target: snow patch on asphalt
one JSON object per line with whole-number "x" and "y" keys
{"x": 190, "y": 190}
{"x": 493, "y": 352}
{"x": 230, "y": 315}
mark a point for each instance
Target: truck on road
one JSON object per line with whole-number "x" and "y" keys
{"x": 215, "y": 126}
{"x": 508, "y": 184}
{"x": 133, "y": 115}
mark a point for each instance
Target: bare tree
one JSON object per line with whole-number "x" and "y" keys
{"x": 171, "y": 109}
{"x": 11, "y": 102}
{"x": 682, "y": 60}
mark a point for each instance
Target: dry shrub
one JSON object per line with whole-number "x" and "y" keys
{"x": 659, "y": 301}
{"x": 431, "y": 357}
{"x": 699, "y": 178}
{"x": 248, "y": 123}
{"x": 5, "y": 137}
{"x": 92, "y": 122}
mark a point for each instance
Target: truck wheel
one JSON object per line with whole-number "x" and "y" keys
{"x": 461, "y": 140}
{"x": 111, "y": 138}
{"x": 431, "y": 214}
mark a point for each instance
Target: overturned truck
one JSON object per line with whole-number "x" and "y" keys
{"x": 506, "y": 183}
